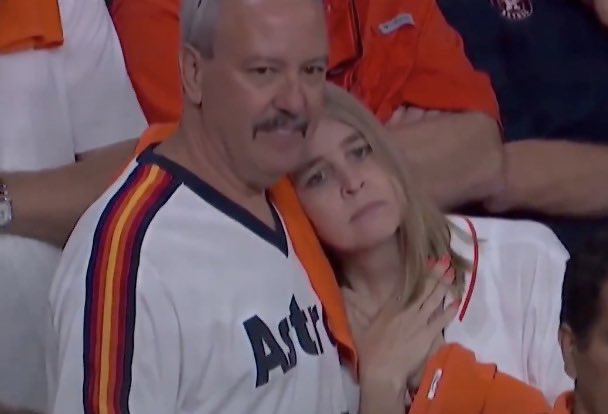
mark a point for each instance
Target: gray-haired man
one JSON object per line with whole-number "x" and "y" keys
{"x": 179, "y": 291}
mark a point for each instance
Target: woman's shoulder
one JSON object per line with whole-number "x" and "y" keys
{"x": 528, "y": 235}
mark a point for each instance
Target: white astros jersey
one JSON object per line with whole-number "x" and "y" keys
{"x": 170, "y": 298}
{"x": 510, "y": 311}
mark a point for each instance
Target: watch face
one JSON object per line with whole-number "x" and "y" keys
{"x": 5, "y": 213}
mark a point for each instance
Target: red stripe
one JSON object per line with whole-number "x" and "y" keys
{"x": 469, "y": 293}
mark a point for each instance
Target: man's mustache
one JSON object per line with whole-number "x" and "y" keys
{"x": 283, "y": 121}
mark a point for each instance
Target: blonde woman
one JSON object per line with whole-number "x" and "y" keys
{"x": 380, "y": 234}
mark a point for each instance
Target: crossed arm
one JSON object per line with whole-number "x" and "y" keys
{"x": 457, "y": 157}
{"x": 554, "y": 177}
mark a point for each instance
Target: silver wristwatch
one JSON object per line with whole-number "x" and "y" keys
{"x": 6, "y": 208}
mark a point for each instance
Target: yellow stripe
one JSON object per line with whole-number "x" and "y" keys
{"x": 108, "y": 302}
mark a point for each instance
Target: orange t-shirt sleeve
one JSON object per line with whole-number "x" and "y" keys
{"x": 149, "y": 34}
{"x": 442, "y": 77}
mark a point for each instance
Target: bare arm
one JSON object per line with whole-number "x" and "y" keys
{"x": 47, "y": 204}
{"x": 457, "y": 157}
{"x": 554, "y": 177}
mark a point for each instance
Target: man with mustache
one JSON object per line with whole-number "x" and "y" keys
{"x": 179, "y": 291}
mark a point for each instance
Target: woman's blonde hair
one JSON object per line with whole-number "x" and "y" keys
{"x": 424, "y": 233}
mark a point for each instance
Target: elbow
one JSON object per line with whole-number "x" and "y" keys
{"x": 490, "y": 156}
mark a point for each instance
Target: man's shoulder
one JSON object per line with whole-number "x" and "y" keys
{"x": 125, "y": 211}
{"x": 110, "y": 240}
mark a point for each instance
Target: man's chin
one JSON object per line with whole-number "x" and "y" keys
{"x": 277, "y": 171}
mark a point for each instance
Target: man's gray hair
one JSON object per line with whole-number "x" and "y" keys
{"x": 198, "y": 21}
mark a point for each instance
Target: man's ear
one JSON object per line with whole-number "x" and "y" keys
{"x": 191, "y": 71}
{"x": 567, "y": 342}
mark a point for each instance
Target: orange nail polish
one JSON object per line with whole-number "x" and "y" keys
{"x": 449, "y": 275}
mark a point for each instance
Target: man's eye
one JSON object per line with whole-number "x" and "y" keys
{"x": 314, "y": 70}
{"x": 262, "y": 71}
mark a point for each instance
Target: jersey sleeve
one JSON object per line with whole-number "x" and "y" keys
{"x": 103, "y": 108}
{"x": 442, "y": 77}
{"x": 542, "y": 258}
{"x": 454, "y": 382}
{"x": 149, "y": 34}
{"x": 117, "y": 346}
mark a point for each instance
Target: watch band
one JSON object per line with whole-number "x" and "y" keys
{"x": 5, "y": 206}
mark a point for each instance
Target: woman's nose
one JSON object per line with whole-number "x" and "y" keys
{"x": 352, "y": 183}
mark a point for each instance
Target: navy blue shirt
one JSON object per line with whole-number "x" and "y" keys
{"x": 548, "y": 61}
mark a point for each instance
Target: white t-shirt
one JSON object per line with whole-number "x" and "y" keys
{"x": 54, "y": 104}
{"x": 181, "y": 301}
{"x": 512, "y": 316}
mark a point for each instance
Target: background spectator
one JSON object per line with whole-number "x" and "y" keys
{"x": 548, "y": 61}
{"x": 60, "y": 100}
{"x": 584, "y": 323}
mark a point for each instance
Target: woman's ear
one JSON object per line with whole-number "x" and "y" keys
{"x": 191, "y": 71}
{"x": 567, "y": 342}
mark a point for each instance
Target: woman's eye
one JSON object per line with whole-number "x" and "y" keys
{"x": 362, "y": 151}
{"x": 316, "y": 179}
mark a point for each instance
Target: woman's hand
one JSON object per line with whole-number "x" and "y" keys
{"x": 396, "y": 343}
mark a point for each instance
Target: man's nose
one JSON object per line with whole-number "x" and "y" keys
{"x": 291, "y": 97}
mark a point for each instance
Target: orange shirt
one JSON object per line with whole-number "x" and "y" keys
{"x": 388, "y": 52}
{"x": 391, "y": 52}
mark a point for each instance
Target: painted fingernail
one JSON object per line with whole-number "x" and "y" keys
{"x": 449, "y": 276}
{"x": 444, "y": 261}
{"x": 456, "y": 304}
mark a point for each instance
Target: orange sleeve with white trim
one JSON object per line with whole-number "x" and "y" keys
{"x": 455, "y": 383}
